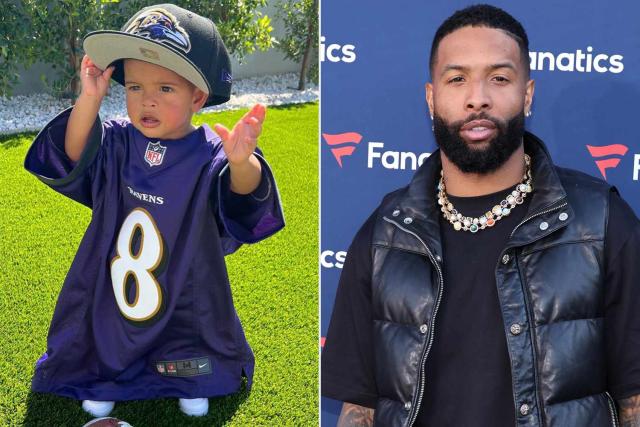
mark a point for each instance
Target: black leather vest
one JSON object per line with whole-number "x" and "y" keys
{"x": 550, "y": 286}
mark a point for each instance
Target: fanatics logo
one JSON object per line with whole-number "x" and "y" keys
{"x": 332, "y": 259}
{"x": 154, "y": 154}
{"x": 344, "y": 144}
{"x": 334, "y": 52}
{"x": 338, "y": 143}
{"x": 604, "y": 151}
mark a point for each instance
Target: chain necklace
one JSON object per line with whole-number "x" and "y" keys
{"x": 466, "y": 223}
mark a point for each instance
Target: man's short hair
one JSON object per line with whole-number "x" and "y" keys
{"x": 482, "y": 15}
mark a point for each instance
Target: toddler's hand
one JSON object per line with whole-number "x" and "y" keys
{"x": 95, "y": 82}
{"x": 241, "y": 141}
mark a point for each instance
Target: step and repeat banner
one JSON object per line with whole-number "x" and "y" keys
{"x": 585, "y": 59}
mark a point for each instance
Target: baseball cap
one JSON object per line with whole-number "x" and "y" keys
{"x": 172, "y": 37}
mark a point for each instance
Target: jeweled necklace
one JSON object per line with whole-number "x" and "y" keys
{"x": 467, "y": 223}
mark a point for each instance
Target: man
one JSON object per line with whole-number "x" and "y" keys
{"x": 495, "y": 289}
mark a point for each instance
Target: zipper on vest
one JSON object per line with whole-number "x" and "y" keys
{"x": 538, "y": 214}
{"x": 612, "y": 409}
{"x": 530, "y": 314}
{"x": 418, "y": 401}
{"x": 528, "y": 310}
{"x": 534, "y": 339}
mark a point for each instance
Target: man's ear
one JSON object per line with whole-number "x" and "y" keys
{"x": 198, "y": 100}
{"x": 429, "y": 95}
{"x": 528, "y": 95}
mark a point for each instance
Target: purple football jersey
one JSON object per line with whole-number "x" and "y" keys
{"x": 146, "y": 309}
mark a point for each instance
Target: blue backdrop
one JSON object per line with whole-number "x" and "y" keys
{"x": 374, "y": 64}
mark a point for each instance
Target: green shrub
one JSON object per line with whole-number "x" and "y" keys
{"x": 300, "y": 42}
{"x": 13, "y": 44}
{"x": 51, "y": 31}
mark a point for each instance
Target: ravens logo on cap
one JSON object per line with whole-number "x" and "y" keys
{"x": 160, "y": 25}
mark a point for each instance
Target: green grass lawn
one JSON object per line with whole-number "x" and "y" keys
{"x": 275, "y": 288}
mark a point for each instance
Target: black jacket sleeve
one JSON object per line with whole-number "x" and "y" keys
{"x": 622, "y": 300}
{"x": 347, "y": 358}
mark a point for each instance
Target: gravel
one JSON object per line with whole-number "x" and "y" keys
{"x": 32, "y": 112}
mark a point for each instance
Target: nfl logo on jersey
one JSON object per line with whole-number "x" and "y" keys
{"x": 154, "y": 154}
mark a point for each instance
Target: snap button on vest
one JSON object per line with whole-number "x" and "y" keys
{"x": 407, "y": 406}
{"x": 544, "y": 225}
{"x": 396, "y": 212}
{"x": 515, "y": 329}
{"x": 524, "y": 409}
{"x": 505, "y": 259}
{"x": 563, "y": 216}
{"x": 424, "y": 329}
{"x": 408, "y": 220}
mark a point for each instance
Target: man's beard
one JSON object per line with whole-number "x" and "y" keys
{"x": 480, "y": 161}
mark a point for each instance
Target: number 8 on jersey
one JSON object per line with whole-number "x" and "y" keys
{"x": 138, "y": 268}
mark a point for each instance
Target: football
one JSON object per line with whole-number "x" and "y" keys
{"x": 107, "y": 422}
